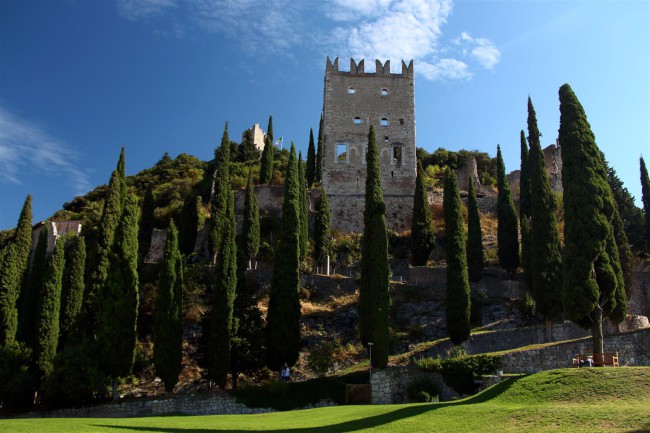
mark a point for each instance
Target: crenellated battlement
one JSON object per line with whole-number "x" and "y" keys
{"x": 358, "y": 69}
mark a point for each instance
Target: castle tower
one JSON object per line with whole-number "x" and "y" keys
{"x": 352, "y": 102}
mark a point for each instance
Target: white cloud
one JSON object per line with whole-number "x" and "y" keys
{"x": 445, "y": 69}
{"x": 136, "y": 9}
{"x": 27, "y": 149}
{"x": 482, "y": 50}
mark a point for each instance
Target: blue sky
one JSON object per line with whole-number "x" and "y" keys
{"x": 79, "y": 79}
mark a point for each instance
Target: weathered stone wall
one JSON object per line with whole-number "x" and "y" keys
{"x": 157, "y": 247}
{"x": 56, "y": 229}
{"x": 390, "y": 386}
{"x": 347, "y": 212}
{"x": 639, "y": 292}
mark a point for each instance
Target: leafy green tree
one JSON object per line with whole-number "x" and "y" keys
{"x": 475, "y": 257}
{"x": 592, "y": 280}
{"x": 223, "y": 297}
{"x": 247, "y": 150}
{"x": 251, "y": 226}
{"x": 188, "y": 224}
{"x": 303, "y": 207}
{"x": 374, "y": 300}
{"x": 73, "y": 288}
{"x": 507, "y": 239}
{"x": 547, "y": 258}
{"x": 283, "y": 319}
{"x": 27, "y": 320}
{"x": 318, "y": 171}
{"x": 220, "y": 194}
{"x": 422, "y": 237}
{"x": 13, "y": 270}
{"x": 524, "y": 213}
{"x": 147, "y": 223}
{"x": 457, "y": 304}
{"x": 118, "y": 300}
{"x": 322, "y": 232}
{"x": 311, "y": 160}
{"x": 266, "y": 163}
{"x": 168, "y": 313}
{"x": 645, "y": 195}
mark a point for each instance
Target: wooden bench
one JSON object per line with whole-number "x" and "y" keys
{"x": 582, "y": 360}
{"x": 604, "y": 359}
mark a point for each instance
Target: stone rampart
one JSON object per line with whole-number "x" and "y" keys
{"x": 390, "y": 386}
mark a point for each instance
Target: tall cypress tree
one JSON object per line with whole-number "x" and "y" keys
{"x": 188, "y": 224}
{"x": 73, "y": 286}
{"x": 121, "y": 171}
{"x": 147, "y": 223}
{"x": 311, "y": 160}
{"x": 118, "y": 299}
{"x": 592, "y": 280}
{"x": 322, "y": 233}
{"x": 374, "y": 301}
{"x": 422, "y": 238}
{"x": 283, "y": 319}
{"x": 27, "y": 320}
{"x": 631, "y": 215}
{"x": 12, "y": 273}
{"x": 168, "y": 313}
{"x": 547, "y": 258}
{"x": 303, "y": 207}
{"x": 269, "y": 129}
{"x": 318, "y": 173}
{"x": 457, "y": 303}
{"x": 645, "y": 197}
{"x": 247, "y": 150}
{"x": 251, "y": 225}
{"x": 524, "y": 213}
{"x": 266, "y": 163}
{"x": 474, "y": 237}
{"x": 507, "y": 239}
{"x": 220, "y": 194}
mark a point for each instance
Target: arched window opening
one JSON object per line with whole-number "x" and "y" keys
{"x": 384, "y": 122}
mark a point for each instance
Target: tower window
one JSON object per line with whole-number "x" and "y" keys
{"x": 342, "y": 153}
{"x": 352, "y": 90}
{"x": 397, "y": 155}
{"x": 384, "y": 92}
{"x": 386, "y": 139}
{"x": 383, "y": 122}
{"x": 357, "y": 121}
{"x": 401, "y": 121}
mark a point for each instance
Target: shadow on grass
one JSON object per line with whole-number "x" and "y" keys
{"x": 347, "y": 426}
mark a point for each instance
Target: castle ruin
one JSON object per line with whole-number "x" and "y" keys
{"x": 352, "y": 102}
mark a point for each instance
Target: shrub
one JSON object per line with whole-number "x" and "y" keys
{"x": 459, "y": 372}
{"x": 422, "y": 390}
{"x": 321, "y": 357}
{"x": 529, "y": 307}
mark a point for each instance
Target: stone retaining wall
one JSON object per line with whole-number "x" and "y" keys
{"x": 389, "y": 386}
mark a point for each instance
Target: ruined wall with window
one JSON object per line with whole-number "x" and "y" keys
{"x": 352, "y": 102}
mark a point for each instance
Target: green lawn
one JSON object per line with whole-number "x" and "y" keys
{"x": 568, "y": 400}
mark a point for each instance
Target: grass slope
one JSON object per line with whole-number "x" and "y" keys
{"x": 568, "y": 400}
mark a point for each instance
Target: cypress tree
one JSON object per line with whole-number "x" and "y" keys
{"x": 118, "y": 299}
{"x": 318, "y": 174}
{"x": 147, "y": 224}
{"x": 248, "y": 151}
{"x": 188, "y": 224}
{"x": 251, "y": 225}
{"x": 269, "y": 129}
{"x": 12, "y": 273}
{"x": 524, "y": 213}
{"x": 27, "y": 323}
{"x": 547, "y": 258}
{"x": 374, "y": 301}
{"x": 47, "y": 316}
{"x": 422, "y": 238}
{"x": 322, "y": 233}
{"x": 73, "y": 286}
{"x": 508, "y": 242}
{"x": 223, "y": 297}
{"x": 168, "y": 313}
{"x": 645, "y": 198}
{"x": 311, "y": 160}
{"x": 121, "y": 171}
{"x": 474, "y": 237}
{"x": 283, "y": 319}
{"x": 220, "y": 194}
{"x": 304, "y": 216}
{"x": 266, "y": 163}
{"x": 631, "y": 215}
{"x": 592, "y": 280}
{"x": 457, "y": 302}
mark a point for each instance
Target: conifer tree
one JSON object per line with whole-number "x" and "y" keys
{"x": 73, "y": 286}
{"x": 251, "y": 226}
{"x": 147, "y": 223}
{"x": 266, "y": 163}
{"x": 188, "y": 224}
{"x": 118, "y": 299}
{"x": 547, "y": 258}
{"x": 13, "y": 270}
{"x": 524, "y": 213}
{"x": 507, "y": 239}
{"x": 247, "y": 150}
{"x": 645, "y": 198}
{"x": 631, "y": 215}
{"x": 422, "y": 238}
{"x": 303, "y": 207}
{"x": 311, "y": 160}
{"x": 318, "y": 173}
{"x": 121, "y": 171}
{"x": 457, "y": 303}
{"x": 283, "y": 327}
{"x": 322, "y": 233}
{"x": 27, "y": 319}
{"x": 220, "y": 194}
{"x": 269, "y": 129}
{"x": 374, "y": 301}
{"x": 168, "y": 313}
{"x": 48, "y": 310}
{"x": 474, "y": 237}
{"x": 592, "y": 279}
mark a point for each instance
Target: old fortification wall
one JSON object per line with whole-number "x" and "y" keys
{"x": 390, "y": 386}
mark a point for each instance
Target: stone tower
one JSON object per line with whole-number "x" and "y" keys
{"x": 352, "y": 102}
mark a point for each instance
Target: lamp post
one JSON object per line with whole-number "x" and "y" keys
{"x": 370, "y": 348}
